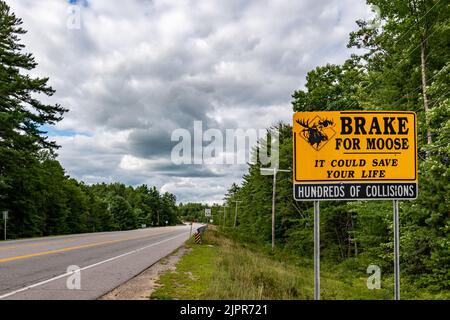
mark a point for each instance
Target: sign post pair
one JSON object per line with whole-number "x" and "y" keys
{"x": 355, "y": 155}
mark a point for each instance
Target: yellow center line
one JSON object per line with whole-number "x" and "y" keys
{"x": 37, "y": 244}
{"x": 38, "y": 254}
{"x": 21, "y": 246}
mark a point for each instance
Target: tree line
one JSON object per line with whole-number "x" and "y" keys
{"x": 404, "y": 65}
{"x": 40, "y": 198}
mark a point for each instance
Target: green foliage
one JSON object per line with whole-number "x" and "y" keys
{"x": 40, "y": 198}
{"x": 192, "y": 277}
{"x": 196, "y": 212}
{"x": 50, "y": 203}
{"x": 386, "y": 74}
{"x": 331, "y": 87}
{"x": 225, "y": 269}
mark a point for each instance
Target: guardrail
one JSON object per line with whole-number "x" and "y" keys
{"x": 202, "y": 229}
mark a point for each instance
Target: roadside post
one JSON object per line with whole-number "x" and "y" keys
{"x": 274, "y": 171}
{"x": 396, "y": 252}
{"x": 355, "y": 155}
{"x": 198, "y": 237}
{"x": 224, "y": 215}
{"x": 316, "y": 250}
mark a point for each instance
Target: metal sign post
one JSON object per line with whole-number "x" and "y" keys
{"x": 274, "y": 193}
{"x": 316, "y": 250}
{"x": 396, "y": 252}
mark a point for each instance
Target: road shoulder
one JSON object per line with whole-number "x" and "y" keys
{"x": 144, "y": 284}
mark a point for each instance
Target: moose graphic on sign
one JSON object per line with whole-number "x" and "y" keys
{"x": 317, "y": 132}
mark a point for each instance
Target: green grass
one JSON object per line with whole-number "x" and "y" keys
{"x": 192, "y": 276}
{"x": 228, "y": 270}
{"x": 249, "y": 273}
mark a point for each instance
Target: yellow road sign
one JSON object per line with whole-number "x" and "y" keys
{"x": 355, "y": 155}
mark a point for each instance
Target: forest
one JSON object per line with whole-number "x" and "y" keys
{"x": 403, "y": 64}
{"x": 40, "y": 198}
{"x": 43, "y": 201}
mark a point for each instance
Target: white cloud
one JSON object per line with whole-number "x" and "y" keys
{"x": 138, "y": 69}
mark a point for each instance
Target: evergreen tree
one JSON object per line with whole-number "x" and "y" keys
{"x": 21, "y": 113}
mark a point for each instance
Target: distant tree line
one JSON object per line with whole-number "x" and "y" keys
{"x": 196, "y": 212}
{"x": 34, "y": 188}
{"x": 405, "y": 66}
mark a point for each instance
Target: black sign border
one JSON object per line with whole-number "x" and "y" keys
{"x": 354, "y": 199}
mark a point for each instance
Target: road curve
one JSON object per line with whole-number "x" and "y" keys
{"x": 37, "y": 269}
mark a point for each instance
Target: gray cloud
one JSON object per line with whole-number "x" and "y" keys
{"x": 137, "y": 70}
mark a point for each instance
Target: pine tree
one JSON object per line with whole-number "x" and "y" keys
{"x": 21, "y": 113}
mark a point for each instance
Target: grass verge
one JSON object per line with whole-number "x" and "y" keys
{"x": 223, "y": 269}
{"x": 192, "y": 276}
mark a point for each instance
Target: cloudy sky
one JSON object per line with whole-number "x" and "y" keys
{"x": 131, "y": 72}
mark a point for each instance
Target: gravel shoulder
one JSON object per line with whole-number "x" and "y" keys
{"x": 142, "y": 286}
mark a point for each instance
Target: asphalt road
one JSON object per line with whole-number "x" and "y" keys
{"x": 38, "y": 268}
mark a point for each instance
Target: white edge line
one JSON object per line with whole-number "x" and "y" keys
{"x": 85, "y": 268}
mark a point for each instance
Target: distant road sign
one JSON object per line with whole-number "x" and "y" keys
{"x": 5, "y": 215}
{"x": 207, "y": 212}
{"x": 350, "y": 155}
